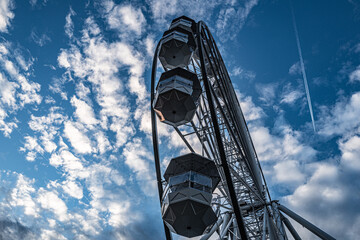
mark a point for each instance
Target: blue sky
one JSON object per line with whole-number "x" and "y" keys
{"x": 75, "y": 149}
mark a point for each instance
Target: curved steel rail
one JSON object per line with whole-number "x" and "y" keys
{"x": 155, "y": 136}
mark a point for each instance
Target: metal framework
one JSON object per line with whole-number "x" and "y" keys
{"x": 241, "y": 201}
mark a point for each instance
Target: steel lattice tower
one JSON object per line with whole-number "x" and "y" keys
{"x": 218, "y": 131}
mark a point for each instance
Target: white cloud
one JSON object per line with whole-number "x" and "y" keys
{"x": 150, "y": 45}
{"x": 32, "y": 2}
{"x": 103, "y": 184}
{"x": 51, "y": 234}
{"x": 33, "y": 147}
{"x": 291, "y": 97}
{"x": 57, "y": 86}
{"x": 22, "y": 195}
{"x": 315, "y": 190}
{"x": 232, "y": 18}
{"x": 332, "y": 186}
{"x": 69, "y": 25}
{"x": 16, "y": 91}
{"x": 40, "y": 40}
{"x": 295, "y": 69}
{"x": 267, "y": 92}
{"x": 249, "y": 109}
{"x": 5, "y": 126}
{"x": 328, "y": 188}
{"x": 242, "y": 73}
{"x": 350, "y": 149}
{"x": 50, "y": 200}
{"x": 162, "y": 9}
{"x": 126, "y": 19}
{"x": 71, "y": 164}
{"x": 119, "y": 212}
{"x": 29, "y": 90}
{"x": 82, "y": 91}
{"x": 357, "y": 48}
{"x": 48, "y": 127}
{"x": 99, "y": 65}
{"x": 84, "y": 111}
{"x": 103, "y": 143}
{"x": 288, "y": 172}
{"x": 342, "y": 118}
{"x": 7, "y": 91}
{"x": 137, "y": 158}
{"x": 73, "y": 189}
{"x": 355, "y": 75}
{"x": 77, "y": 138}
{"x": 6, "y": 14}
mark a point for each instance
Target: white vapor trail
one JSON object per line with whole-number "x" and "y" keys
{"x": 303, "y": 67}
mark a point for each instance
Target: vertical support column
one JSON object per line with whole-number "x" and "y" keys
{"x": 155, "y": 136}
{"x": 311, "y": 227}
{"x": 264, "y": 231}
{"x": 224, "y": 164}
{"x": 290, "y": 227}
{"x": 271, "y": 227}
{"x": 279, "y": 226}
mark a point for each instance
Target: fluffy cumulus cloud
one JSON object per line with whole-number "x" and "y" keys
{"x": 333, "y": 182}
{"x": 87, "y": 142}
{"x": 91, "y": 135}
{"x": 333, "y": 187}
{"x": 250, "y": 110}
{"x": 77, "y": 138}
{"x": 50, "y": 200}
{"x": 311, "y": 185}
{"x": 291, "y": 97}
{"x": 163, "y": 11}
{"x": 16, "y": 89}
{"x": 267, "y": 92}
{"x": 288, "y": 171}
{"x": 285, "y": 144}
{"x": 6, "y": 14}
{"x": 138, "y": 159}
{"x": 355, "y": 75}
{"x": 290, "y": 94}
{"x": 341, "y": 118}
{"x": 125, "y": 18}
{"x": 295, "y": 69}
{"x": 350, "y": 149}
{"x": 233, "y": 17}
{"x": 282, "y": 151}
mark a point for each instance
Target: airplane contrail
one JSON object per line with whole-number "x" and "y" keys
{"x": 302, "y": 67}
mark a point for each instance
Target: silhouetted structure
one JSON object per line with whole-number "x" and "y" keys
{"x": 220, "y": 189}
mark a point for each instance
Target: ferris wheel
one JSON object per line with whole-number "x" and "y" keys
{"x": 218, "y": 189}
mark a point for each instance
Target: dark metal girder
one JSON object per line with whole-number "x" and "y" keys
{"x": 311, "y": 227}
{"x": 155, "y": 137}
{"x": 235, "y": 205}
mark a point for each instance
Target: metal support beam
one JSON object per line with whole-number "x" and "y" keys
{"x": 226, "y": 226}
{"x": 224, "y": 164}
{"x": 155, "y": 136}
{"x": 290, "y": 227}
{"x": 271, "y": 228}
{"x": 312, "y": 228}
{"x": 184, "y": 140}
{"x": 264, "y": 224}
{"x": 279, "y": 225}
